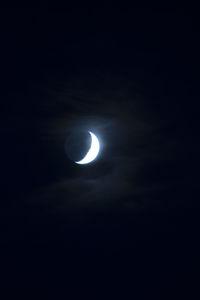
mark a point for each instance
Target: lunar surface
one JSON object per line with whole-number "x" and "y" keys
{"x": 93, "y": 151}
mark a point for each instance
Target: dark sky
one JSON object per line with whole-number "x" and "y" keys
{"x": 126, "y": 226}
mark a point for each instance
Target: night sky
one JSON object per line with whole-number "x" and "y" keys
{"x": 127, "y": 225}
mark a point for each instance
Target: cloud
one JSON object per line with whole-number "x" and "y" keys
{"x": 132, "y": 139}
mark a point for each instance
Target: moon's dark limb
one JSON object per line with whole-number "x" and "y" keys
{"x": 78, "y": 144}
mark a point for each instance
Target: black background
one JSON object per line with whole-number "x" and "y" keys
{"x": 124, "y": 235}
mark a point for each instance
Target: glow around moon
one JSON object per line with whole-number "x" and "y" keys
{"x": 93, "y": 151}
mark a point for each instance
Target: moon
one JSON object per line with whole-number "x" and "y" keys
{"x": 93, "y": 151}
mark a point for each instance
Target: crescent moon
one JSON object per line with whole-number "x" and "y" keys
{"x": 93, "y": 151}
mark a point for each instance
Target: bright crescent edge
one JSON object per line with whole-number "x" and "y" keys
{"x": 93, "y": 151}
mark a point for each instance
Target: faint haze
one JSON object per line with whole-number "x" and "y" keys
{"x": 136, "y": 160}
